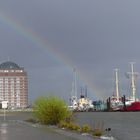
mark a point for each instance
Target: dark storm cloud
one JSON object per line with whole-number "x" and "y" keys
{"x": 94, "y": 36}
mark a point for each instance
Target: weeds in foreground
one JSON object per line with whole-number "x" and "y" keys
{"x": 83, "y": 129}
{"x": 97, "y": 132}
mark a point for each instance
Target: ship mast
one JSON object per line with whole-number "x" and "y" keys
{"x": 117, "y": 84}
{"x": 133, "y": 76}
{"x": 74, "y": 85}
{"x": 75, "y": 82}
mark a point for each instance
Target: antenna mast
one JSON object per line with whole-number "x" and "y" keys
{"x": 74, "y": 84}
{"x": 86, "y": 92}
{"x": 133, "y": 81}
{"x": 117, "y": 84}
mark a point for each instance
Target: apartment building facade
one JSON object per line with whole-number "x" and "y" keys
{"x": 13, "y": 85}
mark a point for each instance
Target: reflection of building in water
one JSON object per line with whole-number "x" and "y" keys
{"x": 13, "y": 85}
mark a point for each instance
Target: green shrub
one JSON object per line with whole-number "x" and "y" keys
{"x": 63, "y": 124}
{"x": 71, "y": 117}
{"x": 50, "y": 110}
{"x": 97, "y": 132}
{"x": 73, "y": 126}
{"x": 85, "y": 128}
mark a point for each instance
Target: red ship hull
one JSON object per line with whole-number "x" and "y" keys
{"x": 135, "y": 106}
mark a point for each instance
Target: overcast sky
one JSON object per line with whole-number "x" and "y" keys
{"x": 50, "y": 37}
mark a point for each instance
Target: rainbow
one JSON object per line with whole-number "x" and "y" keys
{"x": 32, "y": 36}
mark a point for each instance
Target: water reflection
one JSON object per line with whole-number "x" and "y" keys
{"x": 3, "y": 131}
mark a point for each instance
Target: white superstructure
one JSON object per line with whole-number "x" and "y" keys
{"x": 81, "y": 104}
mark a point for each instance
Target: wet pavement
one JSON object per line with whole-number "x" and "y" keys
{"x": 12, "y": 130}
{"x": 15, "y": 128}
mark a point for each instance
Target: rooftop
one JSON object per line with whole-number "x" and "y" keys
{"x": 9, "y": 65}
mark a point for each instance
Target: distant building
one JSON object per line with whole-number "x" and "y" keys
{"x": 13, "y": 85}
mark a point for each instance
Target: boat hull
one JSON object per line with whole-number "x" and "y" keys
{"x": 135, "y": 106}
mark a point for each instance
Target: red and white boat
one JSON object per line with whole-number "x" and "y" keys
{"x": 132, "y": 103}
{"x": 126, "y": 104}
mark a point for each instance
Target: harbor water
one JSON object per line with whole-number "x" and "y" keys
{"x": 123, "y": 125}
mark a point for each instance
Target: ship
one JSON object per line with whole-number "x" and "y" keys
{"x": 115, "y": 100}
{"x": 132, "y": 103}
{"x": 118, "y": 103}
{"x": 83, "y": 103}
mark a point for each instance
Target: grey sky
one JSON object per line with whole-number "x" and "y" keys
{"x": 93, "y": 36}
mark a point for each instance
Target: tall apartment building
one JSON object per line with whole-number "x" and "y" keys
{"x": 13, "y": 85}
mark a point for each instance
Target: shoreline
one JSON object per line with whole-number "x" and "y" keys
{"x": 66, "y": 132}
{"x": 70, "y": 133}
